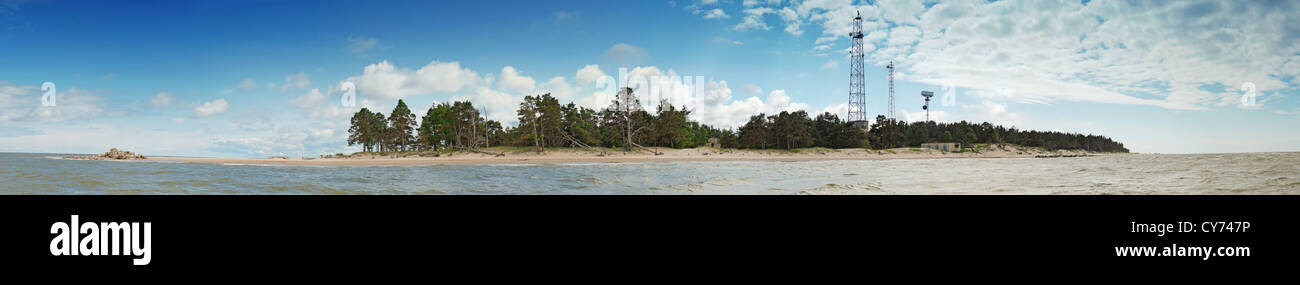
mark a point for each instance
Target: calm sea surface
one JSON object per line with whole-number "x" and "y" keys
{"x": 1251, "y": 173}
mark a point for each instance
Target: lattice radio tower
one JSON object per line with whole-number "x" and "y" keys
{"x": 891, "y": 89}
{"x": 857, "y": 80}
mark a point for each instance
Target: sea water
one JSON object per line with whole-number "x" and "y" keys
{"x": 1245, "y": 173}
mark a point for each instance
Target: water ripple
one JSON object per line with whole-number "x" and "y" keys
{"x": 1251, "y": 173}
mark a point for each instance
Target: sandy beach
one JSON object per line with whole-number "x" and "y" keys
{"x": 570, "y": 155}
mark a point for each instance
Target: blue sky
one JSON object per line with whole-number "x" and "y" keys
{"x": 258, "y": 78}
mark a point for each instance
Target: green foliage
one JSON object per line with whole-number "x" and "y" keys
{"x": 493, "y": 134}
{"x": 433, "y": 133}
{"x": 467, "y": 126}
{"x": 401, "y": 124}
{"x": 544, "y": 123}
{"x": 378, "y": 125}
{"x": 968, "y": 134}
{"x": 669, "y": 127}
{"x": 831, "y": 132}
{"x": 540, "y": 121}
{"x": 581, "y": 124}
{"x": 754, "y": 133}
{"x": 790, "y": 130}
{"x": 361, "y": 130}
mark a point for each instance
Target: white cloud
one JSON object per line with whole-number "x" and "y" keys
{"x": 97, "y": 137}
{"x": 289, "y": 139}
{"x": 792, "y": 21}
{"x": 794, "y": 30}
{"x": 778, "y": 101}
{"x": 751, "y": 23}
{"x": 162, "y": 99}
{"x": 732, "y": 114}
{"x": 753, "y": 20}
{"x": 494, "y": 96}
{"x": 597, "y": 100}
{"x": 759, "y": 11}
{"x": 23, "y": 103}
{"x": 830, "y": 65}
{"x": 710, "y": 103}
{"x": 841, "y": 110}
{"x": 624, "y": 54}
{"x": 498, "y": 105}
{"x": 310, "y": 99}
{"x": 320, "y": 134}
{"x": 588, "y": 74}
{"x": 751, "y": 89}
{"x": 699, "y": 8}
{"x": 714, "y": 14}
{"x": 559, "y": 88}
{"x": 511, "y": 80}
{"x": 989, "y": 111}
{"x": 901, "y": 36}
{"x": 1165, "y": 54}
{"x": 211, "y": 108}
{"x": 253, "y": 145}
{"x": 326, "y": 106}
{"x": 901, "y": 11}
{"x": 383, "y": 80}
{"x": 361, "y": 45}
{"x": 295, "y": 81}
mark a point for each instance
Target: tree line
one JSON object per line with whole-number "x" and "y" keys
{"x": 545, "y": 123}
{"x": 887, "y": 133}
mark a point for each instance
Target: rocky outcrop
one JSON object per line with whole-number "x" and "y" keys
{"x": 112, "y": 154}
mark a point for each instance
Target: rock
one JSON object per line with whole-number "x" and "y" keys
{"x": 112, "y": 154}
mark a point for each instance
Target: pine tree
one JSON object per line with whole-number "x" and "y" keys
{"x": 401, "y": 124}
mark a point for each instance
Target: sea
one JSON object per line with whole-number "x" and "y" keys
{"x": 1119, "y": 174}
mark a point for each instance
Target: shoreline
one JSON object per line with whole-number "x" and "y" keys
{"x": 567, "y": 155}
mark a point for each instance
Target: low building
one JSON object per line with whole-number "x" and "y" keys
{"x": 949, "y": 147}
{"x": 713, "y": 143}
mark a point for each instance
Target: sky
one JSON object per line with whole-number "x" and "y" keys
{"x": 261, "y": 78}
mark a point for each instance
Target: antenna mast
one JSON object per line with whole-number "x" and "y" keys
{"x": 891, "y": 89}
{"x": 926, "y": 107}
{"x": 857, "y": 81}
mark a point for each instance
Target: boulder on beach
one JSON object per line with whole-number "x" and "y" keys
{"x": 112, "y": 154}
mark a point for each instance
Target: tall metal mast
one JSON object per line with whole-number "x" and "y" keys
{"x": 926, "y": 107}
{"x": 891, "y": 89}
{"x": 857, "y": 80}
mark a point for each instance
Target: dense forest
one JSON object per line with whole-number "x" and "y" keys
{"x": 544, "y": 122}
{"x": 887, "y": 133}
